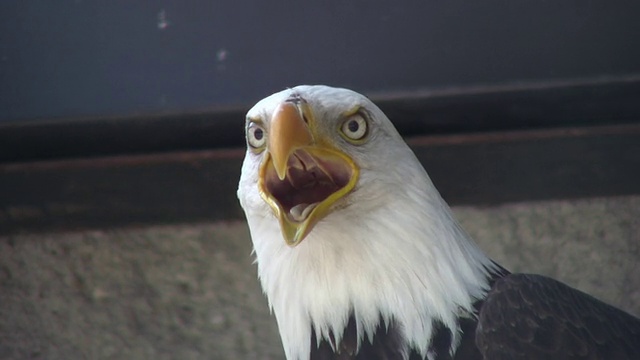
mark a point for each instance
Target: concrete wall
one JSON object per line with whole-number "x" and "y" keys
{"x": 190, "y": 292}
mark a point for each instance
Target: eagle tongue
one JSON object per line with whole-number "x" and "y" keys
{"x": 300, "y": 212}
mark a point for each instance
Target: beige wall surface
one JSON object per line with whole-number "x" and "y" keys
{"x": 190, "y": 291}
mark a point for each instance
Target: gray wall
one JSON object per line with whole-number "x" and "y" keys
{"x": 190, "y": 292}
{"x": 62, "y": 59}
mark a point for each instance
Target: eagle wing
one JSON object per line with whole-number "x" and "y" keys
{"x": 535, "y": 317}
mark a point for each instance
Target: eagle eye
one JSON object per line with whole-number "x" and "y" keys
{"x": 256, "y": 136}
{"x": 355, "y": 127}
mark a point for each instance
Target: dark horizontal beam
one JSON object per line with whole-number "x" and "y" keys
{"x": 483, "y": 168}
{"x": 525, "y": 106}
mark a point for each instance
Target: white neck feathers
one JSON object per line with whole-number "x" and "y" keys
{"x": 399, "y": 257}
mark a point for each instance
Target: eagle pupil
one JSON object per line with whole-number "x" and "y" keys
{"x": 353, "y": 126}
{"x": 257, "y": 134}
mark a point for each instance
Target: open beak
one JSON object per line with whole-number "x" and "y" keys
{"x": 302, "y": 175}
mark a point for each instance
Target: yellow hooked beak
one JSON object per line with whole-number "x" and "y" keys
{"x": 302, "y": 174}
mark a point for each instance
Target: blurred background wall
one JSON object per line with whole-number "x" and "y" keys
{"x": 190, "y": 291}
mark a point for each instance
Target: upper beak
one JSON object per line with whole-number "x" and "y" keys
{"x": 302, "y": 174}
{"x": 288, "y": 133}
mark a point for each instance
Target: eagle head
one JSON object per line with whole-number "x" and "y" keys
{"x": 346, "y": 224}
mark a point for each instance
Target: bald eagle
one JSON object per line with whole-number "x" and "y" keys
{"x": 360, "y": 257}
